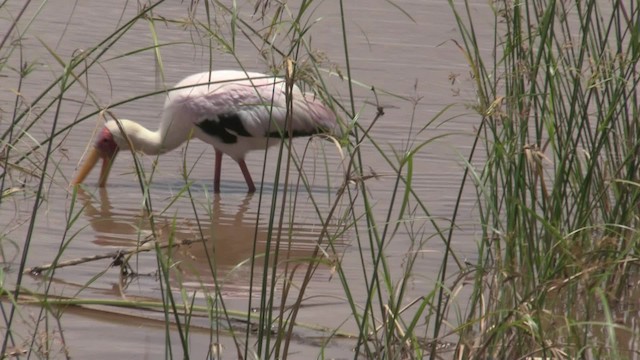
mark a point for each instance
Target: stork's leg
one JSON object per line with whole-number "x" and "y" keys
{"x": 247, "y": 176}
{"x": 216, "y": 175}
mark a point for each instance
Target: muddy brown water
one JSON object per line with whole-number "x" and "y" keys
{"x": 387, "y": 50}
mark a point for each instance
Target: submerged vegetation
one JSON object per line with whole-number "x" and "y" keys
{"x": 554, "y": 164}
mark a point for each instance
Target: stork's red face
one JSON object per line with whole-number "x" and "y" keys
{"x": 107, "y": 149}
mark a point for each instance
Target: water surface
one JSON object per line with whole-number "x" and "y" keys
{"x": 400, "y": 56}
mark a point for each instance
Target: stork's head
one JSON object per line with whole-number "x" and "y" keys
{"x": 105, "y": 148}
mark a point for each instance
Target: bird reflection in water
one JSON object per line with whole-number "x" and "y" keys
{"x": 224, "y": 243}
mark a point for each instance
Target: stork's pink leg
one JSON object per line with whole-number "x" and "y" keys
{"x": 216, "y": 175}
{"x": 247, "y": 176}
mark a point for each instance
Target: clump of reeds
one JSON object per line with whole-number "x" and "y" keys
{"x": 558, "y": 191}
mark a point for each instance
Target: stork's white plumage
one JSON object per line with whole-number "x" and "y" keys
{"x": 234, "y": 111}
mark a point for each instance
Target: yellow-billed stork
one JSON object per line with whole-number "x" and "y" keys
{"x": 235, "y": 111}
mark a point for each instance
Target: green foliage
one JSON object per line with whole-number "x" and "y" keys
{"x": 558, "y": 192}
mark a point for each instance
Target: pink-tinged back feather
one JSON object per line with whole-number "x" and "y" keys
{"x": 259, "y": 100}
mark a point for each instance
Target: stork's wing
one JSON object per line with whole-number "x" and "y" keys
{"x": 253, "y": 108}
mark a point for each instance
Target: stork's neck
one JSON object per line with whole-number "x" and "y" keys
{"x": 144, "y": 140}
{"x": 147, "y": 141}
